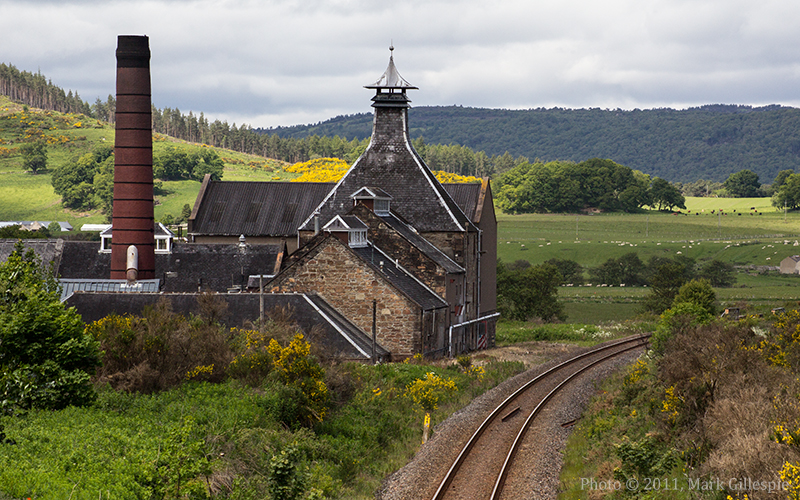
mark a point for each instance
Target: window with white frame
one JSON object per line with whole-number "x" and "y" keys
{"x": 381, "y": 207}
{"x": 358, "y": 238}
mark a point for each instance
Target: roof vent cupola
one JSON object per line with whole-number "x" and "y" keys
{"x": 391, "y": 87}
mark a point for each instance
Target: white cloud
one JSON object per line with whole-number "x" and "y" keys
{"x": 280, "y": 62}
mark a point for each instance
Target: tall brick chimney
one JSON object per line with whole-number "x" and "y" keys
{"x": 132, "y": 222}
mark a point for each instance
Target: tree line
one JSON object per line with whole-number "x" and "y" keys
{"x": 34, "y": 89}
{"x": 525, "y": 291}
{"x": 570, "y": 187}
{"x": 707, "y": 142}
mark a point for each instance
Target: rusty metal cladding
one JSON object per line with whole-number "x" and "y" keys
{"x": 133, "y": 164}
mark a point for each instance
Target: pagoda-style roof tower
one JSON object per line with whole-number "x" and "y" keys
{"x": 391, "y": 87}
{"x": 391, "y": 164}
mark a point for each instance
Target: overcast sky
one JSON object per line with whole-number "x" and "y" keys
{"x": 284, "y": 62}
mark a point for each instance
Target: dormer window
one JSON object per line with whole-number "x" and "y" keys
{"x": 105, "y": 240}
{"x": 163, "y": 238}
{"x": 357, "y": 239}
{"x": 349, "y": 230}
{"x": 381, "y": 207}
{"x": 376, "y": 199}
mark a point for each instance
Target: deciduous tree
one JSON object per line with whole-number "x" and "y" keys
{"x": 34, "y": 155}
{"x": 742, "y": 184}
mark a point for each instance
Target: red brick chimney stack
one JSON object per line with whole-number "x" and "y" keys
{"x": 132, "y": 222}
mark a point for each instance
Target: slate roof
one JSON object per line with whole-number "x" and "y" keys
{"x": 191, "y": 267}
{"x": 328, "y": 331}
{"x": 49, "y": 250}
{"x": 188, "y": 268}
{"x": 411, "y": 287}
{"x": 416, "y": 193}
{"x": 424, "y": 246}
{"x": 255, "y": 208}
{"x": 391, "y": 164}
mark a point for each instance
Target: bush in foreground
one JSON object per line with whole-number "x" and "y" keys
{"x": 46, "y": 360}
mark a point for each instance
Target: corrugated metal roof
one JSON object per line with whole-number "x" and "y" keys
{"x": 466, "y": 196}
{"x": 70, "y": 286}
{"x": 257, "y": 208}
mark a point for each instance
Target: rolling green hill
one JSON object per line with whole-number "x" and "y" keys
{"x": 708, "y": 142}
{"x": 26, "y": 196}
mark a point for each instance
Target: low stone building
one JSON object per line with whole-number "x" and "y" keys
{"x": 791, "y": 265}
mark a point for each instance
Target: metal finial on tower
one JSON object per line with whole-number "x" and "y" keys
{"x": 391, "y": 78}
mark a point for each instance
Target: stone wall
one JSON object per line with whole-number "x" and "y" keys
{"x": 349, "y": 285}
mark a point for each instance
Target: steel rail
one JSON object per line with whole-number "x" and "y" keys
{"x": 448, "y": 478}
{"x": 501, "y": 478}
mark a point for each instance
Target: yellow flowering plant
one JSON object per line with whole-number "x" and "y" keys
{"x": 295, "y": 366}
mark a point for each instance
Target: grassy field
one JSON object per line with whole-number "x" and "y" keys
{"x": 743, "y": 240}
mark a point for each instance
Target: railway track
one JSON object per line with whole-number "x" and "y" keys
{"x": 484, "y": 468}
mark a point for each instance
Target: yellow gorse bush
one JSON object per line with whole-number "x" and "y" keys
{"x": 253, "y": 360}
{"x": 672, "y": 404}
{"x": 783, "y": 434}
{"x": 333, "y": 169}
{"x": 782, "y": 347}
{"x": 427, "y": 391}
{"x": 319, "y": 170}
{"x": 200, "y": 372}
{"x": 294, "y": 365}
{"x": 477, "y": 372}
{"x": 451, "y": 178}
{"x": 790, "y": 474}
{"x": 113, "y": 324}
{"x": 637, "y": 371}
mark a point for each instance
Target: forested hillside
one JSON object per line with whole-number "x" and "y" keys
{"x": 709, "y": 142}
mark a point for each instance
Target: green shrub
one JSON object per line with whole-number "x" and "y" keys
{"x": 683, "y": 317}
{"x": 45, "y": 359}
{"x": 697, "y": 292}
{"x": 159, "y": 349}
